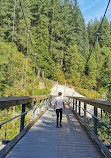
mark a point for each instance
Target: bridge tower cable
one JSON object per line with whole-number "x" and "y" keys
{"x": 34, "y": 73}
{"x": 11, "y": 60}
{"x": 28, "y": 37}
{"x": 13, "y": 23}
{"x": 98, "y": 32}
{"x": 104, "y": 16}
{"x": 96, "y": 41}
{"x": 26, "y": 59}
{"x": 27, "y": 25}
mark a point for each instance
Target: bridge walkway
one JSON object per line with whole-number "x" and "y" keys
{"x": 44, "y": 140}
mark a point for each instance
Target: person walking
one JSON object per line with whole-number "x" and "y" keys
{"x": 58, "y": 106}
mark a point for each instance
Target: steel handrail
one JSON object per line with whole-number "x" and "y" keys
{"x": 24, "y": 113}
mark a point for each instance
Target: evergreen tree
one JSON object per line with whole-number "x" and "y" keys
{"x": 92, "y": 29}
{"x": 6, "y": 12}
{"x": 81, "y": 32}
{"x": 74, "y": 65}
{"x": 56, "y": 30}
{"x": 105, "y": 37}
{"x": 106, "y": 73}
{"x": 95, "y": 67}
{"x": 42, "y": 47}
{"x": 12, "y": 81}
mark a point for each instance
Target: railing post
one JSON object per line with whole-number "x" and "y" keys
{"x": 73, "y": 104}
{"x": 76, "y": 106}
{"x": 40, "y": 106}
{"x": 79, "y": 108}
{"x": 101, "y": 113}
{"x": 69, "y": 101}
{"x": 95, "y": 120}
{"x": 44, "y": 103}
{"x": 50, "y": 102}
{"x": 85, "y": 106}
{"x": 22, "y": 118}
{"x": 34, "y": 110}
{"x": 47, "y": 102}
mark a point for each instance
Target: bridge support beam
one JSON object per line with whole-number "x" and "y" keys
{"x": 22, "y": 118}
{"x": 95, "y": 120}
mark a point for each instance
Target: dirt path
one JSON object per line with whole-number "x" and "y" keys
{"x": 66, "y": 91}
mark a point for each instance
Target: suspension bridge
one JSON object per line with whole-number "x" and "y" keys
{"x": 38, "y": 137}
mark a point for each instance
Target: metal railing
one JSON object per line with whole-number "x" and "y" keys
{"x": 91, "y": 114}
{"x": 32, "y": 108}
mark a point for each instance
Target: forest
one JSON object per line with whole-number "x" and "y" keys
{"x": 66, "y": 48}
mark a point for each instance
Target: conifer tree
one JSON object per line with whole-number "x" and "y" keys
{"x": 106, "y": 73}
{"x": 95, "y": 67}
{"x": 92, "y": 29}
{"x": 81, "y": 32}
{"x": 74, "y": 64}
{"x": 42, "y": 47}
{"x": 105, "y": 37}
{"x": 6, "y": 16}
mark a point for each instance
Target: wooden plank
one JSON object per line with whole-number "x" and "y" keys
{"x": 40, "y": 142}
{"x": 105, "y": 105}
{"x": 92, "y": 135}
{"x": 6, "y": 102}
{"x": 74, "y": 142}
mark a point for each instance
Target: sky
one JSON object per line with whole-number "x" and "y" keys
{"x": 92, "y": 9}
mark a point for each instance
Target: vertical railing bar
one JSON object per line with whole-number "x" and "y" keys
{"x": 85, "y": 112}
{"x": 101, "y": 113}
{"x": 79, "y": 108}
{"x": 49, "y": 102}
{"x": 73, "y": 104}
{"x": 34, "y": 110}
{"x": 76, "y": 106}
{"x": 22, "y": 118}
{"x": 44, "y": 103}
{"x": 95, "y": 120}
{"x": 40, "y": 105}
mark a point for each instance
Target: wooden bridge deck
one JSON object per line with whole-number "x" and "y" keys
{"x": 44, "y": 140}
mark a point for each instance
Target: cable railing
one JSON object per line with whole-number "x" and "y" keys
{"x": 13, "y": 128}
{"x": 91, "y": 114}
